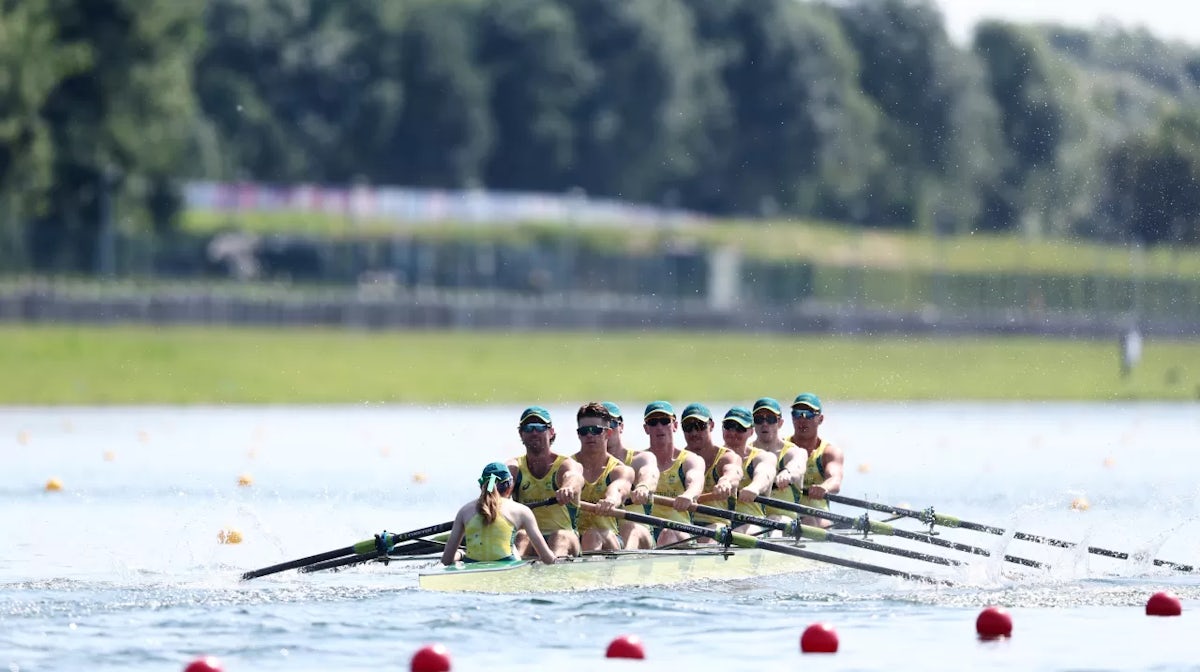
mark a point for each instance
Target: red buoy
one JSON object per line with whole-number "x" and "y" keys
{"x": 993, "y": 623}
{"x": 819, "y": 638}
{"x": 431, "y": 658}
{"x": 1163, "y": 603}
{"x": 626, "y": 646}
{"x": 205, "y": 664}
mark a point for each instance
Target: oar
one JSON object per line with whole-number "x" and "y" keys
{"x": 418, "y": 547}
{"x": 930, "y": 518}
{"x": 380, "y": 545}
{"x": 888, "y": 530}
{"x": 794, "y": 529}
{"x": 728, "y": 536}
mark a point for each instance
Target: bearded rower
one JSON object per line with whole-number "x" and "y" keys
{"x": 722, "y": 467}
{"x": 540, "y": 474}
{"x": 823, "y": 467}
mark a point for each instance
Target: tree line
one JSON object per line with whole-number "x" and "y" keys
{"x": 858, "y": 111}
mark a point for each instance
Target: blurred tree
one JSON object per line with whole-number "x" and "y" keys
{"x": 641, "y": 126}
{"x": 941, "y": 128}
{"x": 539, "y": 74}
{"x": 127, "y": 114}
{"x": 1154, "y": 183}
{"x": 800, "y": 136}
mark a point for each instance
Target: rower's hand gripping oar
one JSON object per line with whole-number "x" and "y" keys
{"x": 882, "y": 528}
{"x": 368, "y": 549}
{"x": 795, "y": 529}
{"x": 729, "y": 537}
{"x": 930, "y": 518}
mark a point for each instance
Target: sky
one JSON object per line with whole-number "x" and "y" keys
{"x": 1168, "y": 19}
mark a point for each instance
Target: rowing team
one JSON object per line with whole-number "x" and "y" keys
{"x": 664, "y": 480}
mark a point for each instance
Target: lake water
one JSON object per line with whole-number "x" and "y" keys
{"x": 122, "y": 569}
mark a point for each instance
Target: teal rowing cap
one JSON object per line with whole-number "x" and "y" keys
{"x": 535, "y": 413}
{"x": 696, "y": 411}
{"x": 768, "y": 404}
{"x": 613, "y": 410}
{"x": 663, "y": 407}
{"x": 740, "y": 415}
{"x": 809, "y": 400}
{"x": 493, "y": 473}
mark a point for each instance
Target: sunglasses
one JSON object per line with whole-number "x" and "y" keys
{"x": 804, "y": 414}
{"x": 536, "y": 427}
{"x": 660, "y": 420}
{"x": 766, "y": 419}
{"x": 695, "y": 426}
{"x": 592, "y": 430}
{"x": 732, "y": 426}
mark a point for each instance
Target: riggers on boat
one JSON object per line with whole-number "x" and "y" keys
{"x": 613, "y": 569}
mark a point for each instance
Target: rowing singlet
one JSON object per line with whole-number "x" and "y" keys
{"x": 489, "y": 542}
{"x": 814, "y": 473}
{"x": 710, "y": 480}
{"x": 789, "y": 492}
{"x": 528, "y": 489}
{"x": 671, "y": 484}
{"x": 593, "y": 492}
{"x": 628, "y": 460}
{"x": 749, "y": 508}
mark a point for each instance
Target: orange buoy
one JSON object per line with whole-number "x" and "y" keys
{"x": 626, "y": 646}
{"x": 420, "y": 477}
{"x": 1080, "y": 504}
{"x": 1110, "y": 462}
{"x": 109, "y": 456}
{"x": 431, "y": 658}
{"x": 23, "y": 437}
{"x": 245, "y": 481}
{"x": 54, "y": 485}
{"x": 864, "y": 468}
{"x": 230, "y": 536}
{"x": 1164, "y": 603}
{"x": 993, "y": 623}
{"x": 819, "y": 638}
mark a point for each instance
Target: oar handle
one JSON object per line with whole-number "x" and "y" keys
{"x": 655, "y": 521}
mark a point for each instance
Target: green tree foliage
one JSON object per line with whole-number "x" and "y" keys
{"x": 1154, "y": 183}
{"x": 122, "y": 119}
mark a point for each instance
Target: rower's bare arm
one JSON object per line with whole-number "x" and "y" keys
{"x": 618, "y": 488}
{"x": 530, "y": 526}
{"x": 645, "y": 467}
{"x": 693, "y": 481}
{"x": 834, "y": 469}
{"x": 764, "y": 476}
{"x": 450, "y": 554}
{"x": 571, "y": 481}
{"x": 730, "y": 468}
{"x": 791, "y": 471}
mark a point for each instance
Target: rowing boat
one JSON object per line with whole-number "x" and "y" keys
{"x": 613, "y": 569}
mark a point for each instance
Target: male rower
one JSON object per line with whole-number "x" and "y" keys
{"x": 606, "y": 479}
{"x": 823, "y": 466}
{"x": 722, "y": 467}
{"x": 540, "y": 474}
{"x": 758, "y": 465}
{"x": 789, "y": 460}
{"x": 681, "y": 472}
{"x": 645, "y": 478}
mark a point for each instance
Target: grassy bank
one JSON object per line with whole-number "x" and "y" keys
{"x": 137, "y": 365}
{"x": 816, "y": 242}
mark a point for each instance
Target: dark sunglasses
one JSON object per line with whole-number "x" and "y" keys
{"x": 766, "y": 419}
{"x": 695, "y": 426}
{"x": 593, "y": 430}
{"x": 660, "y": 420}
{"x": 537, "y": 427}
{"x": 731, "y": 426}
{"x": 804, "y": 414}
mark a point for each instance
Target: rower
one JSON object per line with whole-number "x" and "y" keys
{"x": 607, "y": 480}
{"x": 758, "y": 465}
{"x": 789, "y": 460}
{"x": 645, "y": 479}
{"x": 722, "y": 467}
{"x": 490, "y": 523}
{"x": 823, "y": 467}
{"x": 680, "y": 472}
{"x": 541, "y": 473}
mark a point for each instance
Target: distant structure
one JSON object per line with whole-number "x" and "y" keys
{"x": 1131, "y": 350}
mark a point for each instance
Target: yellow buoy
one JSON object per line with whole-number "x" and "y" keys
{"x": 109, "y": 456}
{"x": 864, "y": 468}
{"x": 1110, "y": 462}
{"x": 1080, "y": 504}
{"x": 229, "y": 536}
{"x": 245, "y": 481}
{"x": 54, "y": 485}
{"x": 420, "y": 477}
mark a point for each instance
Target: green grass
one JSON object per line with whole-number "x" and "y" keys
{"x": 801, "y": 241}
{"x": 136, "y": 365}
